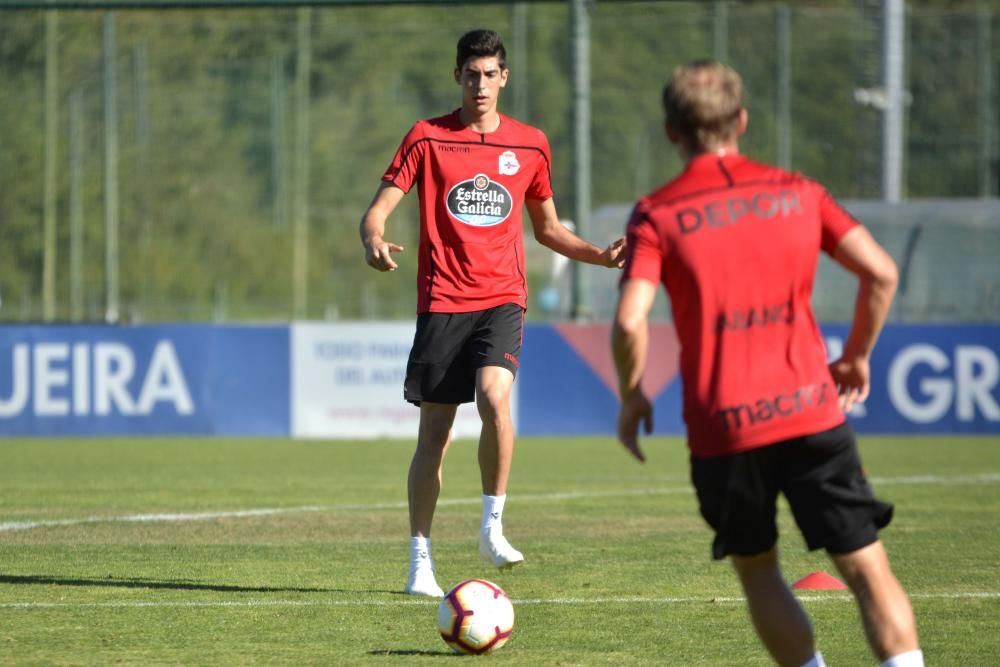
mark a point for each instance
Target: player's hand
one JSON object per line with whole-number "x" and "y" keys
{"x": 614, "y": 255}
{"x": 852, "y": 376}
{"x": 635, "y": 409}
{"x": 378, "y": 254}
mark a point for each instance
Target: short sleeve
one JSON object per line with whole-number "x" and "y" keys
{"x": 836, "y": 222}
{"x": 406, "y": 165}
{"x": 644, "y": 252}
{"x": 541, "y": 184}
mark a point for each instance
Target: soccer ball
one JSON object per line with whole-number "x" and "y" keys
{"x": 475, "y": 617}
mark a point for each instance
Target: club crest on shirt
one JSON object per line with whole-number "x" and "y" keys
{"x": 479, "y": 202}
{"x": 508, "y": 163}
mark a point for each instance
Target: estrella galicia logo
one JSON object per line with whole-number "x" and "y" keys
{"x": 480, "y": 202}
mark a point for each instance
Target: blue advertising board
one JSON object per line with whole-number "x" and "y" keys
{"x": 238, "y": 380}
{"x": 925, "y": 379}
{"x": 171, "y": 379}
{"x": 930, "y": 379}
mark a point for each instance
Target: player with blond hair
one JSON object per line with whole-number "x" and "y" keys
{"x": 736, "y": 243}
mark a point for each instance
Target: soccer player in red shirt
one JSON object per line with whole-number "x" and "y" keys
{"x": 736, "y": 244}
{"x": 474, "y": 169}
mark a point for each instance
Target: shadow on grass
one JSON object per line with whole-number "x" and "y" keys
{"x": 148, "y": 583}
{"x": 405, "y": 651}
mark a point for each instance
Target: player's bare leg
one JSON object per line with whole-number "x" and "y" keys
{"x": 424, "y": 482}
{"x": 496, "y": 442}
{"x": 780, "y": 621}
{"x": 885, "y": 608}
{"x": 496, "y": 450}
{"x": 423, "y": 489}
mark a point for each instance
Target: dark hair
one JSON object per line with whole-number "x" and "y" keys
{"x": 480, "y": 44}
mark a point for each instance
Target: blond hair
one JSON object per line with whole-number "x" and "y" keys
{"x": 703, "y": 100}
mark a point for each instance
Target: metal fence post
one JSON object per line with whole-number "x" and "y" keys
{"x": 580, "y": 17}
{"x": 111, "y": 259}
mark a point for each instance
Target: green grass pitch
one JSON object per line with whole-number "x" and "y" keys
{"x": 278, "y": 552}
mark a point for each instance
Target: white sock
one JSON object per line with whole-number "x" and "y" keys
{"x": 816, "y": 661}
{"x": 492, "y": 513}
{"x": 420, "y": 554}
{"x": 908, "y": 659}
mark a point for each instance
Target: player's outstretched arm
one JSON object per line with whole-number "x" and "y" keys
{"x": 553, "y": 235}
{"x": 378, "y": 251}
{"x": 861, "y": 254}
{"x": 629, "y": 343}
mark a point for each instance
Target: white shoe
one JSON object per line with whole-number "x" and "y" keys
{"x": 495, "y": 550}
{"x": 422, "y": 582}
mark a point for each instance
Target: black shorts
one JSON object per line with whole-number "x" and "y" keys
{"x": 820, "y": 476}
{"x": 449, "y": 348}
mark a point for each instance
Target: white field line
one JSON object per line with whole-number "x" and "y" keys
{"x": 957, "y": 480}
{"x": 409, "y": 602}
{"x": 143, "y": 518}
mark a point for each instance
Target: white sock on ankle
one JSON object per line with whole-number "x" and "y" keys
{"x": 492, "y": 512}
{"x": 420, "y": 554}
{"x": 908, "y": 659}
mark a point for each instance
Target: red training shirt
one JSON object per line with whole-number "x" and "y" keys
{"x": 472, "y": 189}
{"x": 736, "y": 244}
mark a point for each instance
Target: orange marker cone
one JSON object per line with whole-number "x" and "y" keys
{"x": 819, "y": 581}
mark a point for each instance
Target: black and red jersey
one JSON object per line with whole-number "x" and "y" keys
{"x": 472, "y": 188}
{"x": 736, "y": 244}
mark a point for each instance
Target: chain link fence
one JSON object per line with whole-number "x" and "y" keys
{"x": 212, "y": 165}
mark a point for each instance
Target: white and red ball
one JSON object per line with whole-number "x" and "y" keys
{"x": 475, "y": 617}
